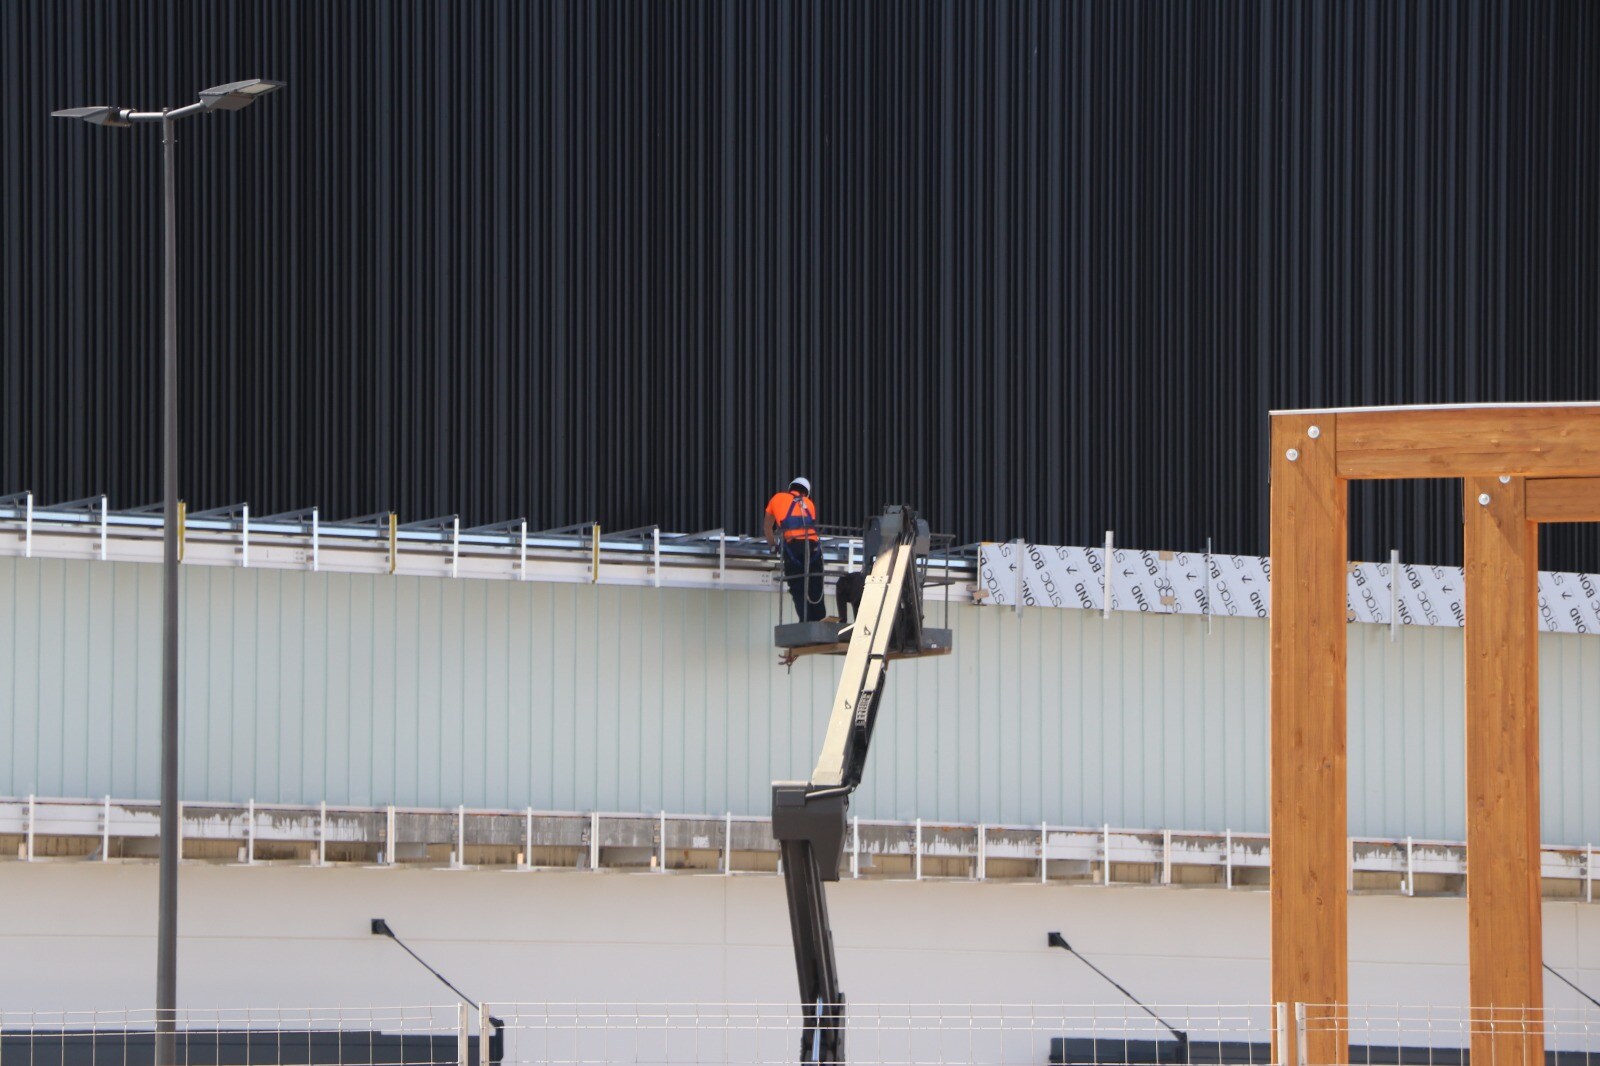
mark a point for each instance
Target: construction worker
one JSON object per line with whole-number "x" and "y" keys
{"x": 790, "y": 525}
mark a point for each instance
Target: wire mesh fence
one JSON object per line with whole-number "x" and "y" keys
{"x": 1384, "y": 1035}
{"x": 368, "y": 1036}
{"x": 887, "y": 1034}
{"x": 645, "y": 1034}
{"x": 642, "y": 1033}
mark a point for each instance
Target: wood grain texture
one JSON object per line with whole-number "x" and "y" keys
{"x": 1469, "y": 442}
{"x": 1564, "y": 499}
{"x": 1505, "y": 950}
{"x": 1309, "y": 778}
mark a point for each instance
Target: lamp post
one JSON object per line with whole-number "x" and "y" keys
{"x": 230, "y": 97}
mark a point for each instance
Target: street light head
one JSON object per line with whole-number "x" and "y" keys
{"x": 237, "y": 94}
{"x": 99, "y": 116}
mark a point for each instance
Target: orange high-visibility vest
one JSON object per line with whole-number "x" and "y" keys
{"x": 795, "y": 515}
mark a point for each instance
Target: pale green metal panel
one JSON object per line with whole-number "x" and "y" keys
{"x": 1407, "y": 755}
{"x": 301, "y": 687}
{"x": 1569, "y": 749}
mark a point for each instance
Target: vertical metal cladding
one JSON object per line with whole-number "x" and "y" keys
{"x": 1041, "y": 268}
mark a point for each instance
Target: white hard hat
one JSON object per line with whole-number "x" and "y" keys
{"x": 802, "y": 482}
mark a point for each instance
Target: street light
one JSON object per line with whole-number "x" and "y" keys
{"x": 229, "y": 97}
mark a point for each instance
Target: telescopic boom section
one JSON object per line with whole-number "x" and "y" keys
{"x": 809, "y": 817}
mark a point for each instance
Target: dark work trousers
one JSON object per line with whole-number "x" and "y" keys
{"x": 848, "y": 593}
{"x": 807, "y": 591}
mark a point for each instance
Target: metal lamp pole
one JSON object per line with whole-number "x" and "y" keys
{"x": 230, "y": 97}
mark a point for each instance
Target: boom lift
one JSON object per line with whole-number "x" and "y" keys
{"x": 809, "y": 817}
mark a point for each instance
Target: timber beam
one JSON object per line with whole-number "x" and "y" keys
{"x": 1520, "y": 465}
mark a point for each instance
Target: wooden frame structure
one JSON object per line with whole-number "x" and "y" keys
{"x": 1520, "y": 465}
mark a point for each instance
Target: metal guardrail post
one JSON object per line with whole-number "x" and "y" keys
{"x": 1394, "y": 595}
{"x": 1281, "y": 1012}
{"x": 1209, "y": 610}
{"x": 462, "y": 1021}
{"x": 1105, "y": 589}
{"x": 484, "y": 1026}
{"x": 1016, "y": 606}
{"x": 1300, "y": 1034}
{"x": 458, "y": 859}
{"x": 855, "y": 847}
{"x": 1044, "y": 853}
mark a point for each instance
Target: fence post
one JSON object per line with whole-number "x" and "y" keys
{"x": 462, "y": 1017}
{"x": 484, "y": 1028}
{"x": 1300, "y": 1034}
{"x": 917, "y": 860}
{"x": 1281, "y": 1010}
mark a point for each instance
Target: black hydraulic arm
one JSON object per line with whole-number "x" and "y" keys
{"x": 809, "y": 817}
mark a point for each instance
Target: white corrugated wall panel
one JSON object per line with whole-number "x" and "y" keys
{"x": 301, "y": 687}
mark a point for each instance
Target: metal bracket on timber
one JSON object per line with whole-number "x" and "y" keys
{"x": 1520, "y": 465}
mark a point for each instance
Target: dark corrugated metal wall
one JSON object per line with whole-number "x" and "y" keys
{"x": 1040, "y": 268}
